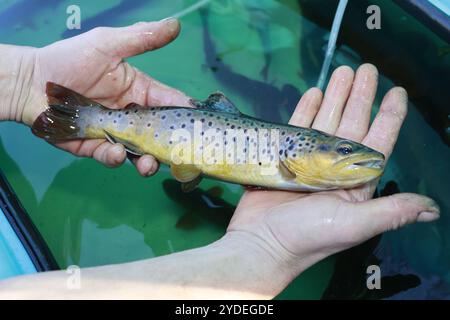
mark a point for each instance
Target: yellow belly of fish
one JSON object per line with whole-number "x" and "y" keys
{"x": 246, "y": 174}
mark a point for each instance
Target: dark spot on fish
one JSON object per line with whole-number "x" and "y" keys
{"x": 178, "y": 114}
{"x": 259, "y": 163}
{"x": 100, "y": 119}
{"x": 232, "y": 127}
{"x": 192, "y": 120}
{"x": 131, "y": 122}
{"x": 183, "y": 125}
{"x": 210, "y": 123}
{"x": 302, "y": 139}
{"x": 119, "y": 115}
{"x": 172, "y": 127}
{"x": 149, "y": 124}
{"x": 127, "y": 112}
{"x": 109, "y": 113}
{"x": 163, "y": 117}
{"x": 280, "y": 152}
{"x": 189, "y": 114}
{"x": 291, "y": 147}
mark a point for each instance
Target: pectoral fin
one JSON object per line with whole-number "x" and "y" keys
{"x": 188, "y": 175}
{"x": 285, "y": 172}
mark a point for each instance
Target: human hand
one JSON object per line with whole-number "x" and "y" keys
{"x": 92, "y": 64}
{"x": 299, "y": 229}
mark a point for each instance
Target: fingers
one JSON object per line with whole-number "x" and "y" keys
{"x": 136, "y": 39}
{"x": 150, "y": 92}
{"x": 356, "y": 118}
{"x": 373, "y": 217}
{"x": 336, "y": 95}
{"x": 307, "y": 108}
{"x": 146, "y": 165}
{"x": 111, "y": 155}
{"x": 386, "y": 126}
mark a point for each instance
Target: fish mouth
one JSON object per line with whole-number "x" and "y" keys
{"x": 363, "y": 161}
{"x": 370, "y": 163}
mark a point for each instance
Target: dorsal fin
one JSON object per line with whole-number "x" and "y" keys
{"x": 218, "y": 102}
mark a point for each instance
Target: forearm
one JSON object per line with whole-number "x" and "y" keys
{"x": 231, "y": 268}
{"x": 16, "y": 77}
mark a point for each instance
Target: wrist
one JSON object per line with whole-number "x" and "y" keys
{"x": 265, "y": 268}
{"x": 16, "y": 77}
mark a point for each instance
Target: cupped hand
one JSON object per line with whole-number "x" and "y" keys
{"x": 92, "y": 64}
{"x": 310, "y": 226}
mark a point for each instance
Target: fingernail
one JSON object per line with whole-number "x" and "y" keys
{"x": 165, "y": 19}
{"x": 427, "y": 216}
{"x": 433, "y": 206}
{"x": 147, "y": 165}
{"x": 172, "y": 23}
{"x": 117, "y": 149}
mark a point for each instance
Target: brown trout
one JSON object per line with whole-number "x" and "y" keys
{"x": 214, "y": 139}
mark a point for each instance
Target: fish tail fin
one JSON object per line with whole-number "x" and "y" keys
{"x": 61, "y": 121}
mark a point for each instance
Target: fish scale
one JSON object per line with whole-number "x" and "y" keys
{"x": 223, "y": 143}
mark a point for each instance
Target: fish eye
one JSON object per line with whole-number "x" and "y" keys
{"x": 344, "y": 149}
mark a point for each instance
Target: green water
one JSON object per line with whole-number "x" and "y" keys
{"x": 262, "y": 55}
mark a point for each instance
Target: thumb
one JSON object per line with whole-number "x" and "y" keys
{"x": 136, "y": 39}
{"x": 373, "y": 217}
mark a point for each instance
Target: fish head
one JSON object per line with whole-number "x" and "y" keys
{"x": 325, "y": 162}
